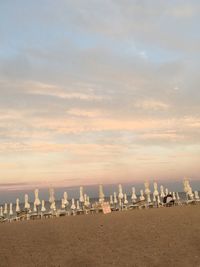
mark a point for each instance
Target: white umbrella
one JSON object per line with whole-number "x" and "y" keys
{"x": 158, "y": 199}
{"x": 73, "y": 206}
{"x": 81, "y": 198}
{"x": 133, "y": 197}
{"x": 125, "y": 199}
{"x": 34, "y": 207}
{"x": 11, "y": 209}
{"x": 120, "y": 195}
{"x": 65, "y": 199}
{"x": 162, "y": 193}
{"x": 62, "y": 204}
{"x": 147, "y": 191}
{"x": 142, "y": 195}
{"x": 5, "y": 209}
{"x": 51, "y": 195}
{"x": 1, "y": 211}
{"x": 53, "y": 206}
{"x": 111, "y": 200}
{"x": 88, "y": 201}
{"x": 37, "y": 200}
{"x": 166, "y": 191}
{"x": 77, "y": 204}
{"x": 43, "y": 209}
{"x": 17, "y": 205}
{"x": 188, "y": 189}
{"x": 196, "y": 195}
{"x": 173, "y": 195}
{"x": 115, "y": 198}
{"x": 52, "y": 199}
{"x": 101, "y": 194}
{"x": 26, "y": 204}
{"x": 85, "y": 200}
{"x": 155, "y": 192}
{"x": 177, "y": 196}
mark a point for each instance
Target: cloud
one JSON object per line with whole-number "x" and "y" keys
{"x": 152, "y": 105}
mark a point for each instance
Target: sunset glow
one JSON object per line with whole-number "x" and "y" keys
{"x": 98, "y": 92}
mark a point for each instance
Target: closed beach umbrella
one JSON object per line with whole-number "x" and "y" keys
{"x": 88, "y": 201}
{"x": 147, "y": 191}
{"x": 26, "y": 204}
{"x": 155, "y": 192}
{"x": 125, "y": 199}
{"x": 85, "y": 200}
{"x": 17, "y": 205}
{"x": 162, "y": 193}
{"x": 53, "y": 206}
{"x": 51, "y": 195}
{"x": 173, "y": 195}
{"x": 120, "y": 195}
{"x": 177, "y": 196}
{"x": 34, "y": 207}
{"x": 188, "y": 189}
{"x": 52, "y": 199}
{"x": 133, "y": 196}
{"x": 196, "y": 195}
{"x": 101, "y": 194}
{"x": 166, "y": 191}
{"x": 62, "y": 204}
{"x": 111, "y": 200}
{"x": 115, "y": 198}
{"x": 11, "y": 209}
{"x": 65, "y": 199}
{"x": 142, "y": 195}
{"x": 1, "y": 211}
{"x": 158, "y": 199}
{"x": 37, "y": 200}
{"x": 5, "y": 209}
{"x": 73, "y": 206}
{"x": 43, "y": 209}
{"x": 77, "y": 204}
{"x": 81, "y": 198}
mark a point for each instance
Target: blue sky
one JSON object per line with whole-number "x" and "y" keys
{"x": 99, "y": 91}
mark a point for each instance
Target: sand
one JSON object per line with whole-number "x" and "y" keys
{"x": 154, "y": 237}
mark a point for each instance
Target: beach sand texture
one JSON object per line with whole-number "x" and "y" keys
{"x": 153, "y": 237}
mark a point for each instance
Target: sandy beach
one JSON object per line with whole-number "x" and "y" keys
{"x": 154, "y": 237}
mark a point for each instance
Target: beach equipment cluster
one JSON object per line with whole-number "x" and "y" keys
{"x": 118, "y": 201}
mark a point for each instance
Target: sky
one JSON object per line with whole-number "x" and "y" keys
{"x": 98, "y": 92}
